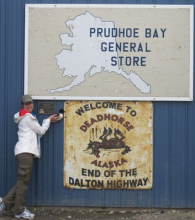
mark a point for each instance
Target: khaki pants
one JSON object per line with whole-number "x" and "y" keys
{"x": 17, "y": 195}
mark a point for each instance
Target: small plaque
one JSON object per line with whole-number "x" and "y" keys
{"x": 46, "y": 107}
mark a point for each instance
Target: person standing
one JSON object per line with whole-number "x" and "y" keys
{"x": 26, "y": 149}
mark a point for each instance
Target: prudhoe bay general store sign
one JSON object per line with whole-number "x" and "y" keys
{"x": 108, "y": 145}
{"x": 109, "y": 52}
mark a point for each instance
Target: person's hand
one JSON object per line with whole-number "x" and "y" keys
{"x": 54, "y": 118}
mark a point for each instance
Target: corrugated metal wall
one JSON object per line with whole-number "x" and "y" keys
{"x": 174, "y": 133}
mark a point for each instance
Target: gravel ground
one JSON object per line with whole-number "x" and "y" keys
{"x": 81, "y": 213}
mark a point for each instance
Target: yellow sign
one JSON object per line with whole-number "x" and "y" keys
{"x": 108, "y": 145}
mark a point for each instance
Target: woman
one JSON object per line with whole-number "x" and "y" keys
{"x": 27, "y": 147}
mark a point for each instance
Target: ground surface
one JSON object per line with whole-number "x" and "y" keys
{"x": 69, "y": 213}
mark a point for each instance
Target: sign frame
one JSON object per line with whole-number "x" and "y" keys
{"x": 104, "y": 145}
{"x": 188, "y": 97}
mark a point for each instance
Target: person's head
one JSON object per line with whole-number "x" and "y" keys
{"x": 27, "y": 103}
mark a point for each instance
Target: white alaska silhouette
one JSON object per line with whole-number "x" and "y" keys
{"x": 86, "y": 55}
